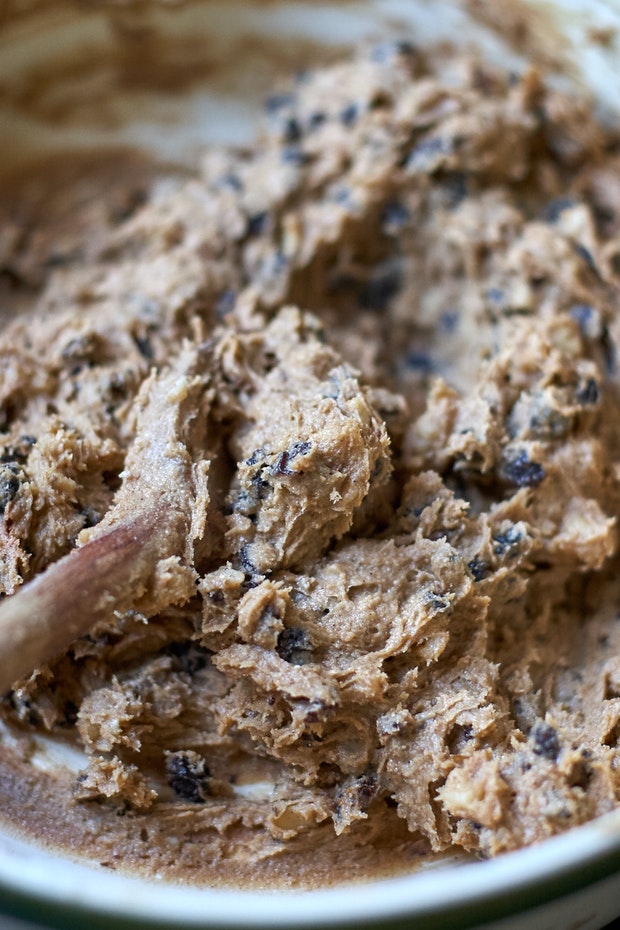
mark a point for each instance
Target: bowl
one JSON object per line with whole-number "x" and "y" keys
{"x": 68, "y": 81}
{"x": 572, "y": 881}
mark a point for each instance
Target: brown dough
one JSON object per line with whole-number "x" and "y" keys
{"x": 391, "y": 630}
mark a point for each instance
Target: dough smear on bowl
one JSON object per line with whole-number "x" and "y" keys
{"x": 382, "y": 350}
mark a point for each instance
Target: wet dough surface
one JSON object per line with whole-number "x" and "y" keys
{"x": 376, "y": 359}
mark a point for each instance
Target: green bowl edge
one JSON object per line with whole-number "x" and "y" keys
{"x": 47, "y": 913}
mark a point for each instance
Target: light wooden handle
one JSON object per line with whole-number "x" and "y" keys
{"x": 150, "y": 520}
{"x": 64, "y": 602}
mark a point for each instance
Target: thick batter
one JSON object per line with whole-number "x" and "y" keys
{"x": 376, "y": 358}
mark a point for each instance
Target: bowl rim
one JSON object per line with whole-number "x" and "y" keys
{"x": 458, "y": 897}
{"x": 36, "y": 886}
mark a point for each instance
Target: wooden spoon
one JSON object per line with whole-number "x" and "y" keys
{"x": 157, "y": 514}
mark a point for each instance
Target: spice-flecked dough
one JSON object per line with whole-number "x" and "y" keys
{"x": 359, "y": 389}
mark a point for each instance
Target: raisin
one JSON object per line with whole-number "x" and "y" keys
{"x": 349, "y": 115}
{"x": 188, "y": 776}
{"x": 144, "y": 346}
{"x": 282, "y": 463}
{"x": 384, "y": 285}
{"x": 12, "y": 456}
{"x": 257, "y": 223}
{"x": 522, "y": 472}
{"x": 9, "y": 484}
{"x": 246, "y": 502}
{"x": 587, "y": 392}
{"x": 505, "y": 542}
{"x": 259, "y": 484}
{"x": 276, "y": 102}
{"x": 394, "y": 216}
{"x": 419, "y": 361}
{"x": 448, "y": 321}
{"x": 246, "y": 562}
{"x": 253, "y": 576}
{"x": 256, "y": 456}
{"x": 438, "y": 602}
{"x": 294, "y": 646}
{"x": 456, "y": 188}
{"x": 317, "y": 119}
{"x": 292, "y": 130}
{"x": 545, "y": 741}
{"x": 478, "y": 568}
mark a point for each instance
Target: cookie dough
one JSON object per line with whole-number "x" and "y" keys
{"x": 371, "y": 369}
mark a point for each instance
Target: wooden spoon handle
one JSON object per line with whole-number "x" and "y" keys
{"x": 150, "y": 520}
{"x": 45, "y": 616}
